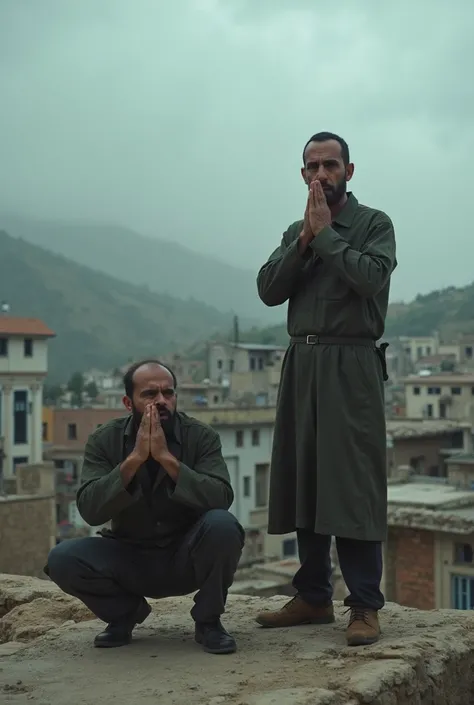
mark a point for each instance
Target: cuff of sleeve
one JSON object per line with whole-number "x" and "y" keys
{"x": 183, "y": 489}
{"x": 325, "y": 242}
{"x": 293, "y": 255}
{"x": 122, "y": 496}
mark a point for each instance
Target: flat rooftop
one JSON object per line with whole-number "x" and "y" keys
{"x": 429, "y": 495}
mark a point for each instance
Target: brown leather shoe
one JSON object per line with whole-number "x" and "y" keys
{"x": 296, "y": 612}
{"x": 364, "y": 627}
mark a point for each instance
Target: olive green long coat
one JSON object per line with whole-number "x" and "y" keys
{"x": 328, "y": 471}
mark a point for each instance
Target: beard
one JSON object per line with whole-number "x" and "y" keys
{"x": 335, "y": 193}
{"x": 166, "y": 418}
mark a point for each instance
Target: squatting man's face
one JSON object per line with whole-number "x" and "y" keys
{"x": 153, "y": 384}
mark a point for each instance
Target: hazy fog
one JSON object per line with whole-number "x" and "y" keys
{"x": 186, "y": 119}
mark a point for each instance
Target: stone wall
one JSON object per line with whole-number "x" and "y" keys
{"x": 423, "y": 658}
{"x": 27, "y": 533}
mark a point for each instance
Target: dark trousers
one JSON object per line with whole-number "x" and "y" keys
{"x": 361, "y": 568}
{"x": 113, "y": 577}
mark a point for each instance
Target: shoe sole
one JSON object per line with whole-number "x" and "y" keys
{"x": 319, "y": 621}
{"x": 112, "y": 646}
{"x": 223, "y": 650}
{"x": 363, "y": 642}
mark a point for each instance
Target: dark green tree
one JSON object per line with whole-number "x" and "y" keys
{"x": 91, "y": 390}
{"x": 76, "y": 387}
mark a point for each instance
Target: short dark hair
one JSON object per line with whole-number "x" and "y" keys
{"x": 128, "y": 376}
{"x": 325, "y": 137}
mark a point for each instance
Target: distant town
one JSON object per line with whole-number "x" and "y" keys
{"x": 429, "y": 559}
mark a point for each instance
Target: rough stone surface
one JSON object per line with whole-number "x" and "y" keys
{"x": 424, "y": 658}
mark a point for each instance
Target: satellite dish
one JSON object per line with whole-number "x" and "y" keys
{"x": 5, "y": 307}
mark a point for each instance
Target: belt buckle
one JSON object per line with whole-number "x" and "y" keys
{"x": 311, "y": 339}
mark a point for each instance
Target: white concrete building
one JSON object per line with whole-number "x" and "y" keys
{"x": 23, "y": 367}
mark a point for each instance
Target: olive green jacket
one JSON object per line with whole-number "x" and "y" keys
{"x": 157, "y": 510}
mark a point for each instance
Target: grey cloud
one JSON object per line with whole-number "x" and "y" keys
{"x": 186, "y": 120}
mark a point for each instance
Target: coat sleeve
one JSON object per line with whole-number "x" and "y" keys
{"x": 367, "y": 271}
{"x": 206, "y": 485}
{"x": 277, "y": 279}
{"x": 101, "y": 495}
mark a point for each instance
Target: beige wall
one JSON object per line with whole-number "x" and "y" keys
{"x": 27, "y": 533}
{"x": 461, "y": 407}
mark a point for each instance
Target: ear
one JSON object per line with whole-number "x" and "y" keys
{"x": 349, "y": 171}
{"x": 127, "y": 402}
{"x": 303, "y": 175}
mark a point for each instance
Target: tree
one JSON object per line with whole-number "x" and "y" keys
{"x": 52, "y": 393}
{"x": 76, "y": 387}
{"x": 91, "y": 390}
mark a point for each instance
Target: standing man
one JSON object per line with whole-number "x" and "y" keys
{"x": 159, "y": 476}
{"x": 329, "y": 453}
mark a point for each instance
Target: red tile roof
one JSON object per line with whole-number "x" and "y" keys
{"x": 10, "y": 325}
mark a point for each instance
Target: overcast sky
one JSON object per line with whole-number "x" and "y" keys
{"x": 186, "y": 119}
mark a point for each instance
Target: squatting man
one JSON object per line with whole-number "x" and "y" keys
{"x": 159, "y": 477}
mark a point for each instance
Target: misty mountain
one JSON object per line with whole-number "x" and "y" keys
{"x": 163, "y": 266}
{"x": 100, "y": 321}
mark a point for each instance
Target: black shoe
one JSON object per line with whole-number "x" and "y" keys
{"x": 120, "y": 633}
{"x": 214, "y": 639}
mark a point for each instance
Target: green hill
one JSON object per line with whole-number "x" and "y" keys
{"x": 450, "y": 311}
{"x": 100, "y": 321}
{"x": 161, "y": 264}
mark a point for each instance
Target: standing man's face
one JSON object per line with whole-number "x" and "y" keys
{"x": 324, "y": 163}
{"x": 153, "y": 384}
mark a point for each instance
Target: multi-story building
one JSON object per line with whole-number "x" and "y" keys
{"x": 424, "y": 446}
{"x": 429, "y": 552}
{"x": 250, "y": 371}
{"x": 23, "y": 367}
{"x": 440, "y": 396}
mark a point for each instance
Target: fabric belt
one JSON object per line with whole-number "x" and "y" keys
{"x": 328, "y": 340}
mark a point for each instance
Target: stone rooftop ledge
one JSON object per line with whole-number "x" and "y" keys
{"x": 424, "y": 658}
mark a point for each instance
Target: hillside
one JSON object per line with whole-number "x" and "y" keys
{"x": 99, "y": 320}
{"x": 162, "y": 265}
{"x": 450, "y": 311}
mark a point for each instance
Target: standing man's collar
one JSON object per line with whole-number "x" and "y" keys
{"x": 346, "y": 216}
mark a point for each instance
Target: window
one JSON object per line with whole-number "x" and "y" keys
{"x": 289, "y": 548}
{"x": 260, "y": 363}
{"x": 434, "y": 390}
{"x": 463, "y": 553}
{"x": 20, "y": 417}
{"x": 428, "y": 351}
{"x": 3, "y": 347}
{"x": 462, "y": 592}
{"x": 419, "y": 353}
{"x": 215, "y": 399}
{"x": 255, "y": 437}
{"x": 261, "y": 484}
{"x": 247, "y": 486}
{"x": 219, "y": 364}
{"x": 239, "y": 439}
{"x": 442, "y": 410}
{"x": 416, "y": 391}
{"x": 231, "y": 365}
{"x": 429, "y": 410}
{"x": 252, "y": 363}
{"x": 28, "y": 347}
{"x": 455, "y": 390}
{"x": 72, "y": 432}
{"x": 45, "y": 430}
{"x": 468, "y": 351}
